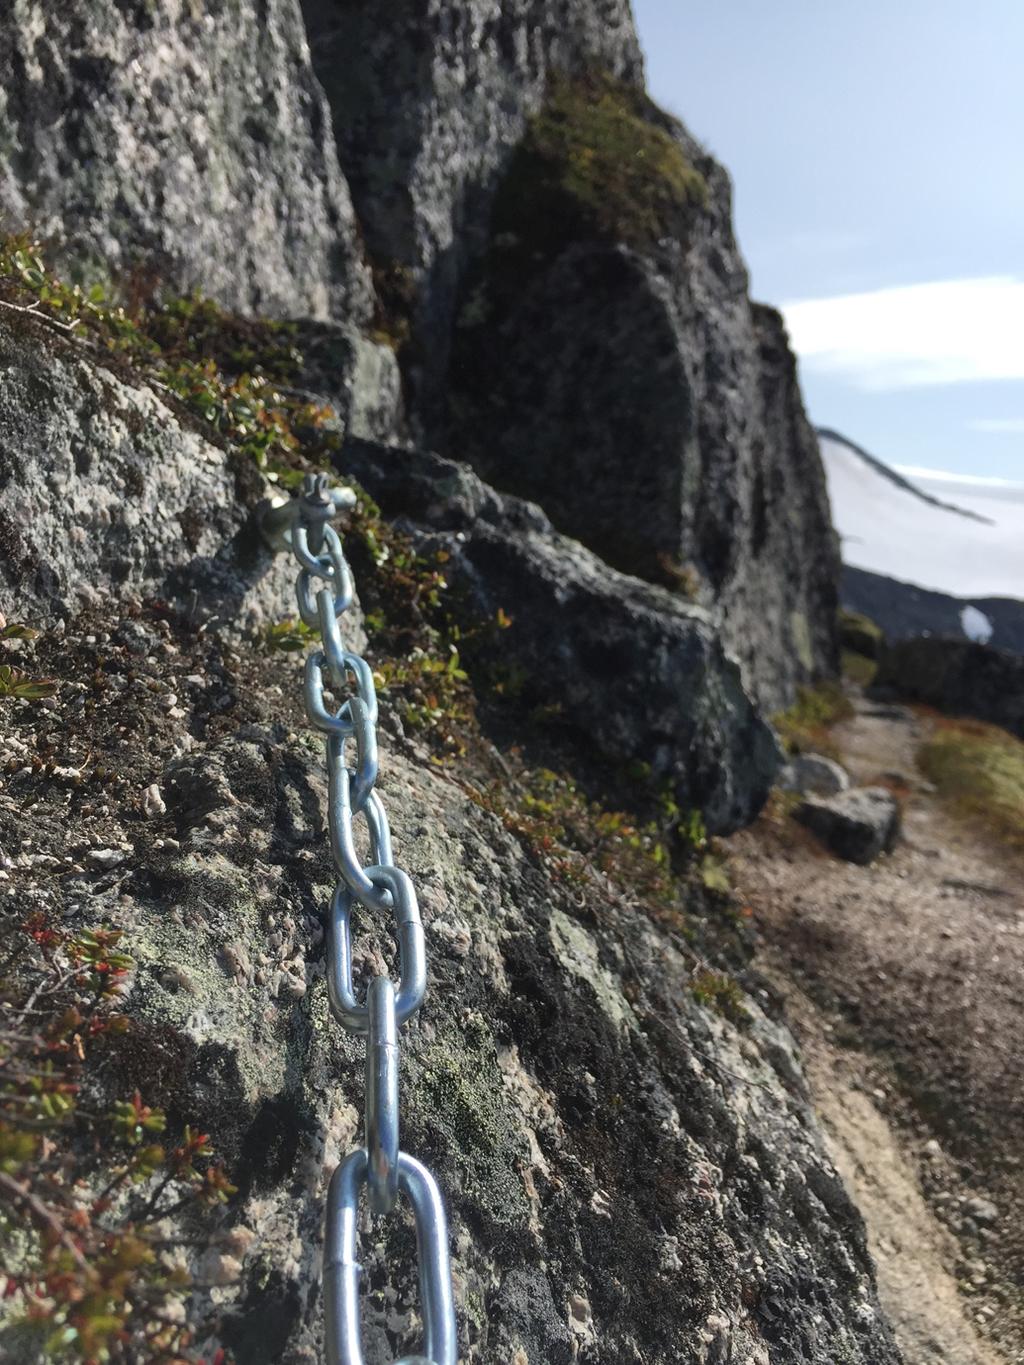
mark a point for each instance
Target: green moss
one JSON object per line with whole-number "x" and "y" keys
{"x": 979, "y": 770}
{"x": 800, "y": 635}
{"x": 858, "y": 668}
{"x": 859, "y": 633}
{"x": 599, "y": 163}
{"x": 458, "y": 1095}
{"x": 596, "y": 162}
{"x": 719, "y": 992}
{"x": 225, "y": 370}
{"x": 804, "y": 727}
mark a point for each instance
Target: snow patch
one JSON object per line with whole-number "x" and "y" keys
{"x": 891, "y": 529}
{"x": 976, "y": 625}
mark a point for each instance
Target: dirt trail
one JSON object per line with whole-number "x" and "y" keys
{"x": 903, "y": 982}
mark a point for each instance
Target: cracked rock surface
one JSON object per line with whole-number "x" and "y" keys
{"x": 632, "y": 1174}
{"x": 630, "y": 1177}
{"x": 191, "y": 140}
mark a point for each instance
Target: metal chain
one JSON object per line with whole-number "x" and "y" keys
{"x": 303, "y": 524}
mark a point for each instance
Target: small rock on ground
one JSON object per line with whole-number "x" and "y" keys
{"x": 814, "y": 775}
{"x": 856, "y": 825}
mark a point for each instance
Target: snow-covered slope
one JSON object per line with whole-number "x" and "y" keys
{"x": 956, "y": 535}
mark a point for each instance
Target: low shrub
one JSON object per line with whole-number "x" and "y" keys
{"x": 979, "y": 770}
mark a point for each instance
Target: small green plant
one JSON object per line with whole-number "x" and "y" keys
{"x": 291, "y": 635}
{"x": 714, "y": 873}
{"x": 227, "y": 371}
{"x": 573, "y": 836}
{"x": 429, "y": 688}
{"x": 721, "y": 993}
{"x": 86, "y": 1185}
{"x": 805, "y": 727}
{"x": 14, "y": 683}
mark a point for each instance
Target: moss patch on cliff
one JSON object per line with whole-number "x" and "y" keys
{"x": 226, "y": 372}
{"x": 596, "y": 163}
{"x": 859, "y": 633}
{"x": 461, "y": 1116}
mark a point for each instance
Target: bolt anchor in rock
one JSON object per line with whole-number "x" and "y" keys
{"x": 314, "y": 506}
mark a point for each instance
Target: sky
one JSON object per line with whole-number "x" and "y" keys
{"x": 877, "y": 154}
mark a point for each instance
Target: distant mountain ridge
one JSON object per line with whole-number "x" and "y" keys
{"x": 910, "y": 559}
{"x": 904, "y": 529}
{"x": 904, "y": 610}
{"x": 828, "y": 434}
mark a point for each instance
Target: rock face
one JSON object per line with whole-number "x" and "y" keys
{"x": 958, "y": 677}
{"x": 611, "y": 1103}
{"x": 103, "y": 489}
{"x": 656, "y": 417}
{"x": 429, "y": 101}
{"x": 625, "y": 382}
{"x": 190, "y": 141}
{"x": 589, "y": 346}
{"x": 631, "y": 1173}
{"x": 582, "y": 632}
{"x": 857, "y": 825}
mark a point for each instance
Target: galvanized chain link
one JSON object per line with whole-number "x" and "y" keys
{"x": 379, "y": 887}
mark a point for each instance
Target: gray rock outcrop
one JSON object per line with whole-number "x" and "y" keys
{"x": 581, "y": 632}
{"x": 857, "y": 825}
{"x": 958, "y": 677}
{"x": 429, "y": 101}
{"x": 195, "y": 147}
{"x": 609, "y": 1098}
{"x": 629, "y": 1175}
{"x": 105, "y": 489}
{"x": 188, "y": 142}
{"x": 628, "y": 386}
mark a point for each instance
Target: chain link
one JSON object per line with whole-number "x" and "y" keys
{"x": 377, "y": 887}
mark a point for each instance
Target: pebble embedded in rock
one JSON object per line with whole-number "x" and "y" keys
{"x": 104, "y": 858}
{"x": 981, "y": 1210}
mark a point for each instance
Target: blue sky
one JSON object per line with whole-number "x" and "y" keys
{"x": 877, "y": 153}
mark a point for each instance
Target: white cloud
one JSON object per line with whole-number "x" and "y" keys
{"x": 947, "y": 332}
{"x": 1013, "y": 426}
